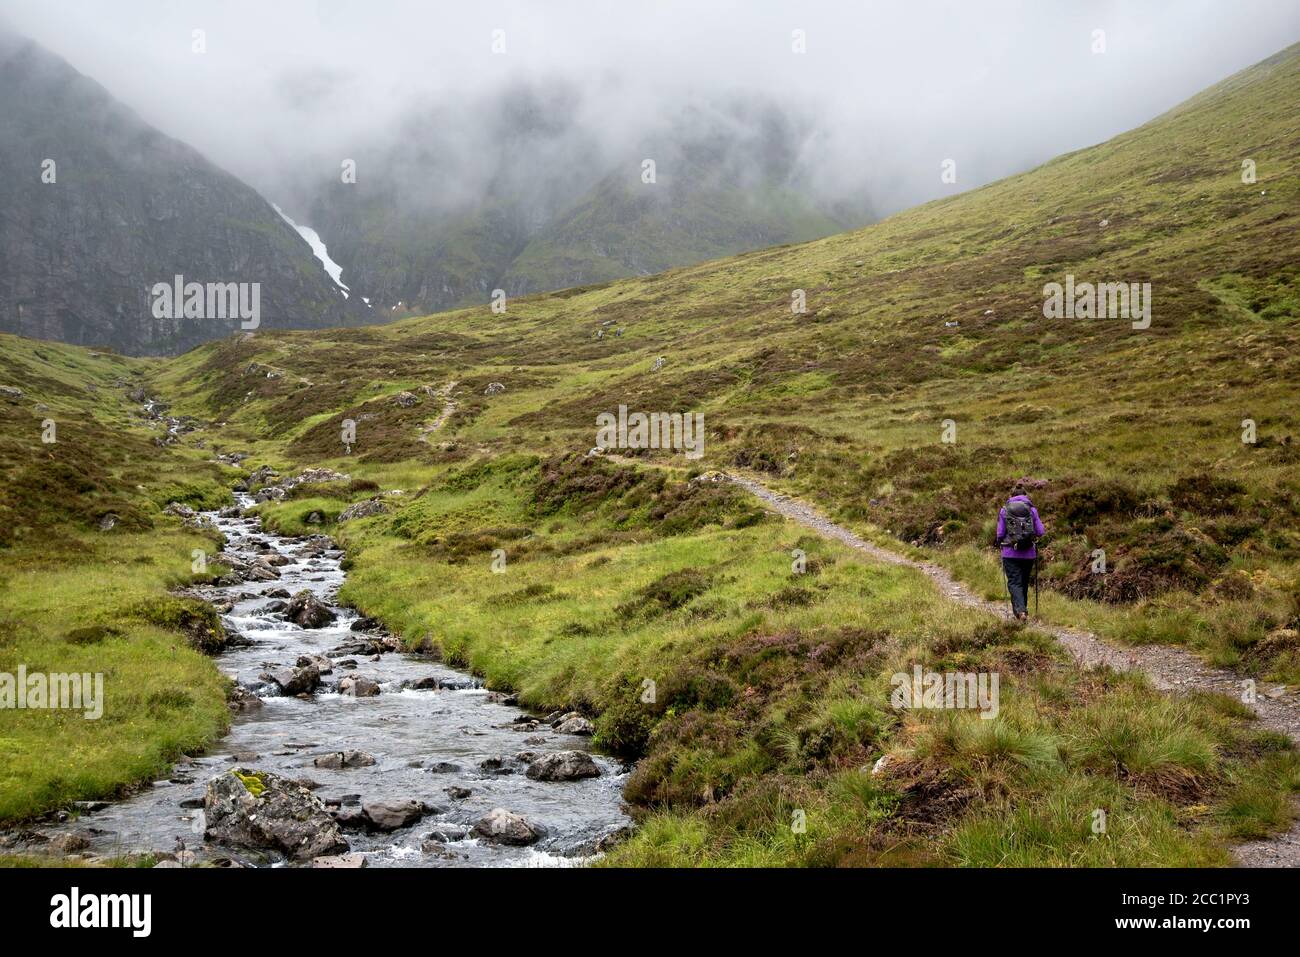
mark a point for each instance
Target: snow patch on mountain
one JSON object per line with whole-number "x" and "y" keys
{"x": 318, "y": 249}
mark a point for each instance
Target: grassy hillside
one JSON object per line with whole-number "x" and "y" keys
{"x": 667, "y": 606}
{"x": 1132, "y": 437}
{"x": 86, "y": 561}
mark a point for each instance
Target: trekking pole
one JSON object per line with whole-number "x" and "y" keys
{"x": 1006, "y": 582}
{"x": 1035, "y": 584}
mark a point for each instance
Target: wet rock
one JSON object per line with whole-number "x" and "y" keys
{"x": 603, "y": 842}
{"x": 426, "y": 683}
{"x": 259, "y": 570}
{"x": 501, "y": 697}
{"x": 358, "y": 686}
{"x": 458, "y": 683}
{"x": 457, "y": 793}
{"x": 278, "y": 593}
{"x": 563, "y": 766}
{"x": 244, "y": 808}
{"x": 322, "y": 664}
{"x": 447, "y": 833}
{"x": 350, "y": 818}
{"x": 230, "y": 511}
{"x": 573, "y": 723}
{"x": 500, "y": 826}
{"x": 307, "y": 611}
{"x": 436, "y": 849}
{"x": 392, "y": 815}
{"x": 294, "y": 681}
{"x": 70, "y": 842}
{"x": 241, "y": 699}
{"x": 273, "y": 607}
{"x": 337, "y": 760}
{"x": 443, "y": 767}
{"x": 367, "y": 624}
{"x": 352, "y": 859}
{"x": 495, "y": 765}
{"x": 244, "y": 757}
{"x": 367, "y": 647}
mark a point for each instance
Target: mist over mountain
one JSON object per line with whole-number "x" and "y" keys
{"x": 538, "y": 197}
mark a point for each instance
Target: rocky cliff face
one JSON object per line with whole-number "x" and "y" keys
{"x": 96, "y": 207}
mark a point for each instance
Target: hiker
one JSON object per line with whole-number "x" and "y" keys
{"x": 1018, "y": 528}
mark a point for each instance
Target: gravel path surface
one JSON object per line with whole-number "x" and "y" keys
{"x": 1169, "y": 668}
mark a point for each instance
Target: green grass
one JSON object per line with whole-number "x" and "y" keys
{"x": 77, "y": 599}
{"x": 771, "y": 690}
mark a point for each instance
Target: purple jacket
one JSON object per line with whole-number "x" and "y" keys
{"x": 1039, "y": 530}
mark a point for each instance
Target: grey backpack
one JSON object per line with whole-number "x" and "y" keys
{"x": 1020, "y": 526}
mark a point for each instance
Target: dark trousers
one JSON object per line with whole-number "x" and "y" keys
{"x": 1020, "y": 574}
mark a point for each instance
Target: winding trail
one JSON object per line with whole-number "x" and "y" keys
{"x": 1169, "y": 668}
{"x": 449, "y": 407}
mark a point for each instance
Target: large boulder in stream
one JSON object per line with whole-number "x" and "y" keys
{"x": 392, "y": 815}
{"x": 358, "y": 686}
{"x": 307, "y": 611}
{"x": 563, "y": 766}
{"x": 295, "y": 681}
{"x": 499, "y": 826}
{"x": 339, "y": 760}
{"x": 258, "y": 809}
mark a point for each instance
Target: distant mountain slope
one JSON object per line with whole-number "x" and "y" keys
{"x": 129, "y": 207}
{"x": 534, "y": 204}
{"x": 932, "y": 320}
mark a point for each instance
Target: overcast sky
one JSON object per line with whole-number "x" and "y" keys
{"x": 895, "y": 88}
